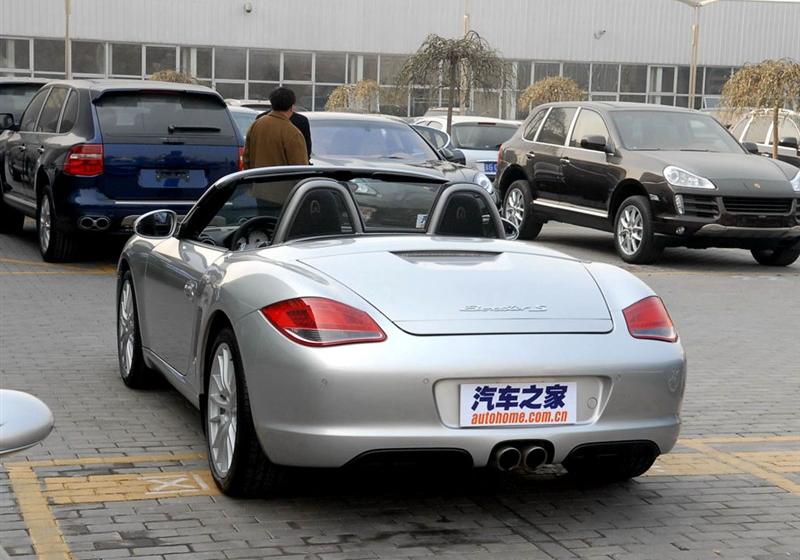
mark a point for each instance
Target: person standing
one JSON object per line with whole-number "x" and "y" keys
{"x": 273, "y": 140}
{"x": 302, "y": 124}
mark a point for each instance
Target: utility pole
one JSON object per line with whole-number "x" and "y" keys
{"x": 693, "y": 63}
{"x": 67, "y": 44}
{"x": 464, "y": 86}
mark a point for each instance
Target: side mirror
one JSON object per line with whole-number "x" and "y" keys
{"x": 596, "y": 142}
{"x": 453, "y": 155}
{"x": 24, "y": 421}
{"x": 6, "y": 121}
{"x": 511, "y": 231}
{"x": 158, "y": 224}
{"x": 788, "y": 142}
{"x": 751, "y": 147}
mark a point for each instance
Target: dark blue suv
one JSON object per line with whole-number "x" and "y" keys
{"x": 89, "y": 157}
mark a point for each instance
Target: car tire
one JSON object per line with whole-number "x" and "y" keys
{"x": 776, "y": 257}
{"x": 518, "y": 209}
{"x": 54, "y": 245}
{"x": 134, "y": 372}
{"x": 238, "y": 464}
{"x": 607, "y": 470}
{"x": 634, "y": 238}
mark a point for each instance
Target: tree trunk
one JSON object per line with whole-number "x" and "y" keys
{"x": 775, "y": 133}
{"x": 451, "y": 96}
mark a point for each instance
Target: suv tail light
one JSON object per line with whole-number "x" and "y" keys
{"x": 648, "y": 319}
{"x": 240, "y": 162}
{"x": 84, "y": 160}
{"x": 316, "y": 321}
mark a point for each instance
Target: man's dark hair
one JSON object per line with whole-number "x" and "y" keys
{"x": 282, "y": 99}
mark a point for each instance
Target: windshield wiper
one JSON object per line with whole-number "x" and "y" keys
{"x": 693, "y": 150}
{"x": 173, "y": 128}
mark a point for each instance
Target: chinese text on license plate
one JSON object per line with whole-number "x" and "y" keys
{"x": 518, "y": 404}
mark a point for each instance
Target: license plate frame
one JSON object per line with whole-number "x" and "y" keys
{"x": 533, "y": 404}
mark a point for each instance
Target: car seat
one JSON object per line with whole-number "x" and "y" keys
{"x": 318, "y": 214}
{"x": 462, "y": 217}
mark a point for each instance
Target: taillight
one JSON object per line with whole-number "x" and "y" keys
{"x": 84, "y": 160}
{"x": 648, "y": 319}
{"x": 316, "y": 321}
{"x": 240, "y": 163}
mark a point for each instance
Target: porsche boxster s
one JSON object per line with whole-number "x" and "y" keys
{"x": 325, "y": 316}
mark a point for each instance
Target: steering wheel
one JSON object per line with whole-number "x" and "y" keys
{"x": 241, "y": 236}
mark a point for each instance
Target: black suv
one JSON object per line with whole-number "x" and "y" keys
{"x": 88, "y": 157}
{"x": 654, "y": 176}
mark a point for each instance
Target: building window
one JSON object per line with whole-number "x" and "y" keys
{"x": 48, "y": 55}
{"x": 370, "y": 70}
{"x": 265, "y": 65}
{"x": 297, "y": 66}
{"x": 330, "y": 68}
{"x": 88, "y": 57}
{"x": 196, "y": 62}
{"x": 304, "y": 96}
{"x": 260, "y": 90}
{"x": 523, "y": 74}
{"x": 126, "y": 59}
{"x": 542, "y": 70}
{"x": 633, "y": 79}
{"x": 578, "y": 72}
{"x": 321, "y": 95}
{"x": 157, "y": 59}
{"x": 230, "y": 64}
{"x": 605, "y": 77}
{"x": 390, "y": 68}
{"x": 15, "y": 54}
{"x": 715, "y": 79}
{"x": 230, "y": 90}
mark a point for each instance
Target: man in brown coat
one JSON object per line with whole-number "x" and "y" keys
{"x": 273, "y": 139}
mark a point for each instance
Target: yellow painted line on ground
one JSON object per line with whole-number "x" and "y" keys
{"x": 741, "y": 439}
{"x": 746, "y": 466}
{"x": 128, "y": 487}
{"x": 45, "y": 535}
{"x": 776, "y": 461}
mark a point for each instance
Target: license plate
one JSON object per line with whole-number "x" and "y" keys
{"x": 490, "y": 167}
{"x": 517, "y": 404}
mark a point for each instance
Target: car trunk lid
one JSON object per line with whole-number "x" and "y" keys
{"x": 473, "y": 292}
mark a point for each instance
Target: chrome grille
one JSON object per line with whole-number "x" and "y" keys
{"x": 700, "y": 206}
{"x": 753, "y": 205}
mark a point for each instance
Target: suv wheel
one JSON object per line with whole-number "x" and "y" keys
{"x": 634, "y": 239}
{"x": 776, "y": 257}
{"x": 518, "y": 209}
{"x": 54, "y": 245}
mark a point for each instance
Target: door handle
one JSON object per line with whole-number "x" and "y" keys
{"x": 40, "y": 149}
{"x": 565, "y": 160}
{"x": 22, "y": 148}
{"x": 190, "y": 289}
{"x": 531, "y": 154}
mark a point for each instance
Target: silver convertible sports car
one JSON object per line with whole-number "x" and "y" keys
{"x": 328, "y": 316}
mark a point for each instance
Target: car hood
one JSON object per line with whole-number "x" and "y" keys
{"x": 732, "y": 170}
{"x": 435, "y": 292}
{"x": 445, "y": 169}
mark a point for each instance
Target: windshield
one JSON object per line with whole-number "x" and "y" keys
{"x": 362, "y": 139}
{"x": 15, "y": 97}
{"x": 185, "y": 118}
{"x": 244, "y": 120}
{"x": 481, "y": 136}
{"x": 673, "y": 131}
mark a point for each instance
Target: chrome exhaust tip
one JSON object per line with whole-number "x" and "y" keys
{"x": 533, "y": 457}
{"x": 102, "y": 223}
{"x": 94, "y": 223}
{"x": 507, "y": 458}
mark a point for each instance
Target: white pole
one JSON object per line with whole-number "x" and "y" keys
{"x": 693, "y": 65}
{"x": 67, "y": 44}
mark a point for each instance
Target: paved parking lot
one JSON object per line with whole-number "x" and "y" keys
{"x": 124, "y": 474}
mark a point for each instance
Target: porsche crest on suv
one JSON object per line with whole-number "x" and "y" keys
{"x": 654, "y": 176}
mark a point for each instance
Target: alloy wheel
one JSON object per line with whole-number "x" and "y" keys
{"x": 630, "y": 230}
{"x": 221, "y": 413}
{"x": 126, "y": 328}
{"x": 514, "y": 207}
{"x": 45, "y": 223}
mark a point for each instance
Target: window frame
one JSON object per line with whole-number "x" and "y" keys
{"x": 575, "y": 124}
{"x": 43, "y": 92}
{"x": 569, "y": 128}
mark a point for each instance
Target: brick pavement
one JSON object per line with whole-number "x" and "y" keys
{"x": 728, "y": 497}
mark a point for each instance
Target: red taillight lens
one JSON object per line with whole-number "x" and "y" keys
{"x": 240, "y": 163}
{"x": 315, "y": 321}
{"x": 649, "y": 319}
{"x": 84, "y": 160}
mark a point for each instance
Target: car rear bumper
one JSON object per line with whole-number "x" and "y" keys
{"x": 323, "y": 407}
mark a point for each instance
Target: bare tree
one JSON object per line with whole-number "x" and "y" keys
{"x": 173, "y": 76}
{"x": 549, "y": 90}
{"x": 439, "y": 62}
{"x": 771, "y": 85}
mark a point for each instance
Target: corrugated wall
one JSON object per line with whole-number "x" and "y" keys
{"x": 647, "y": 31}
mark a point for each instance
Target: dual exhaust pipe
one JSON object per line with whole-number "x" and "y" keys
{"x": 94, "y": 223}
{"x": 528, "y": 458}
